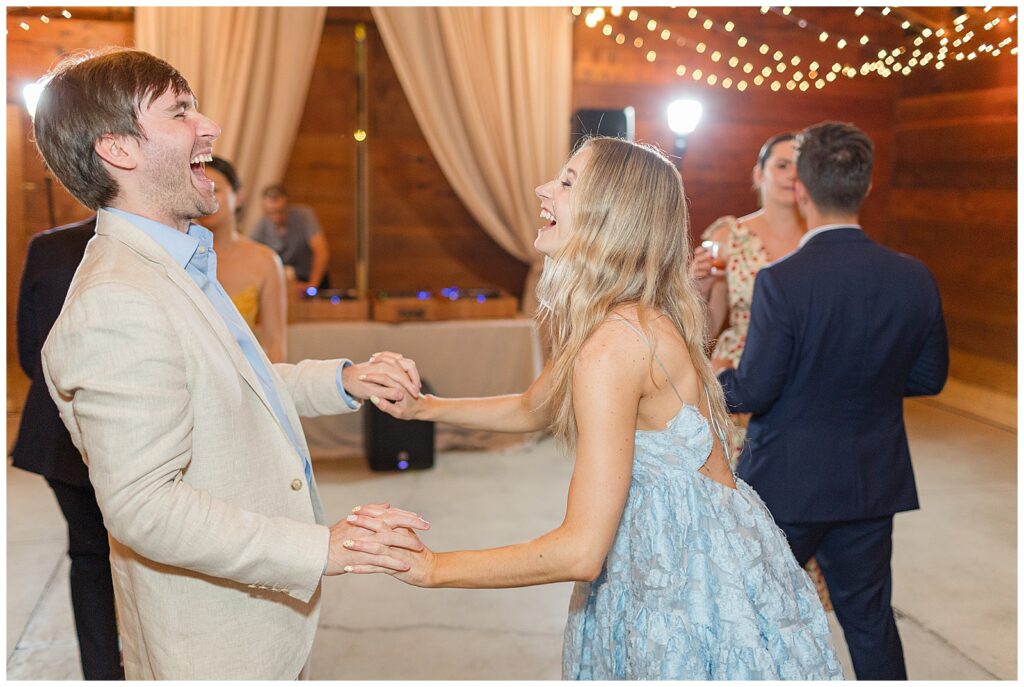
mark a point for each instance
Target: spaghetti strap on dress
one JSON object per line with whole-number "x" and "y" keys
{"x": 700, "y": 583}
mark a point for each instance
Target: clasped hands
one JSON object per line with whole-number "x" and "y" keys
{"x": 377, "y": 538}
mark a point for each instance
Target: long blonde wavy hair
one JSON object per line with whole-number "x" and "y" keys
{"x": 630, "y": 244}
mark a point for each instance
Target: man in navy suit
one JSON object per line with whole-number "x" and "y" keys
{"x": 841, "y": 330}
{"x": 44, "y": 447}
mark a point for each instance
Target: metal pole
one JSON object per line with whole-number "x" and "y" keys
{"x": 362, "y": 168}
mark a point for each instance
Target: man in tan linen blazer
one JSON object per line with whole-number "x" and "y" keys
{"x": 218, "y": 541}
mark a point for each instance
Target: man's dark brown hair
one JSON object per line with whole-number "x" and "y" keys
{"x": 90, "y": 94}
{"x": 833, "y": 162}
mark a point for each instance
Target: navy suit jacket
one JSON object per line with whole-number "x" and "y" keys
{"x": 44, "y": 445}
{"x": 841, "y": 330}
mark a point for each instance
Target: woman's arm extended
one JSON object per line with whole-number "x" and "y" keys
{"x": 608, "y": 380}
{"x": 525, "y": 412}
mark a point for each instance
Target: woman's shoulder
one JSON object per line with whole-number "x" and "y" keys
{"x": 254, "y": 250}
{"x": 720, "y": 228}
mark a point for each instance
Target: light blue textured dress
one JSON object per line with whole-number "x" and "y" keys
{"x": 699, "y": 584}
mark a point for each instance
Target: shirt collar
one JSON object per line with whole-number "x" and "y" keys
{"x": 822, "y": 229}
{"x": 180, "y": 246}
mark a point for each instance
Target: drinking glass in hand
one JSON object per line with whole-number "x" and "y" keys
{"x": 714, "y": 249}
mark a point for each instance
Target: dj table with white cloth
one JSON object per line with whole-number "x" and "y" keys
{"x": 457, "y": 358}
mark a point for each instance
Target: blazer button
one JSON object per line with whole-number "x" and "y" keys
{"x": 296, "y": 485}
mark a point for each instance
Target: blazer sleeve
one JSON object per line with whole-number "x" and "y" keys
{"x": 931, "y": 366}
{"x": 118, "y": 376}
{"x": 313, "y": 387}
{"x": 754, "y": 386}
{"x": 27, "y": 316}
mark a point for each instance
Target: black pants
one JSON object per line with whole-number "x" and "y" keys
{"x": 855, "y": 558}
{"x": 92, "y": 591}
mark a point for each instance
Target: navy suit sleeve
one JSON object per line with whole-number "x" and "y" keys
{"x": 28, "y": 343}
{"x": 931, "y": 366}
{"x": 754, "y": 386}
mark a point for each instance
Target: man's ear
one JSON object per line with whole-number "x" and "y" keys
{"x": 868, "y": 192}
{"x": 118, "y": 151}
{"x": 799, "y": 191}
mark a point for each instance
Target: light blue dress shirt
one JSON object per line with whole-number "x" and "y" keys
{"x": 194, "y": 252}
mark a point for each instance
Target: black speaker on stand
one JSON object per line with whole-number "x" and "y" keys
{"x": 615, "y": 123}
{"x": 392, "y": 444}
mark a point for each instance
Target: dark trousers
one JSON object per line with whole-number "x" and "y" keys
{"x": 92, "y": 591}
{"x": 855, "y": 558}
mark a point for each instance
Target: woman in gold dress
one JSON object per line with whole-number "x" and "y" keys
{"x": 250, "y": 272}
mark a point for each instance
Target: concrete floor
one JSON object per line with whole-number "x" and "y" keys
{"x": 955, "y": 565}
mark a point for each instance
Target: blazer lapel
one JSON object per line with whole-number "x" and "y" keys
{"x": 123, "y": 231}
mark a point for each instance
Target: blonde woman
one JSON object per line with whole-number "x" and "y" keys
{"x": 681, "y": 572}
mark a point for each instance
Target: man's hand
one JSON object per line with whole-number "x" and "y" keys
{"x": 385, "y": 375}
{"x": 363, "y": 544}
{"x": 719, "y": 364}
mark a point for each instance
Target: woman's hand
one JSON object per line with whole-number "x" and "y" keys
{"x": 406, "y": 408}
{"x": 702, "y": 271}
{"x": 421, "y": 567}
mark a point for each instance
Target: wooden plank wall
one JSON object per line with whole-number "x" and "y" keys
{"x": 722, "y": 151}
{"x": 421, "y": 236}
{"x": 954, "y": 205}
{"x": 944, "y": 186}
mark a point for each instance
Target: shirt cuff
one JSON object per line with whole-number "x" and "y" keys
{"x": 349, "y": 401}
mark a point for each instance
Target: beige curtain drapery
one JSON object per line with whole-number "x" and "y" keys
{"x": 491, "y": 89}
{"x": 250, "y": 69}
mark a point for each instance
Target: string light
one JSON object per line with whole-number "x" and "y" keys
{"x": 800, "y": 79}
